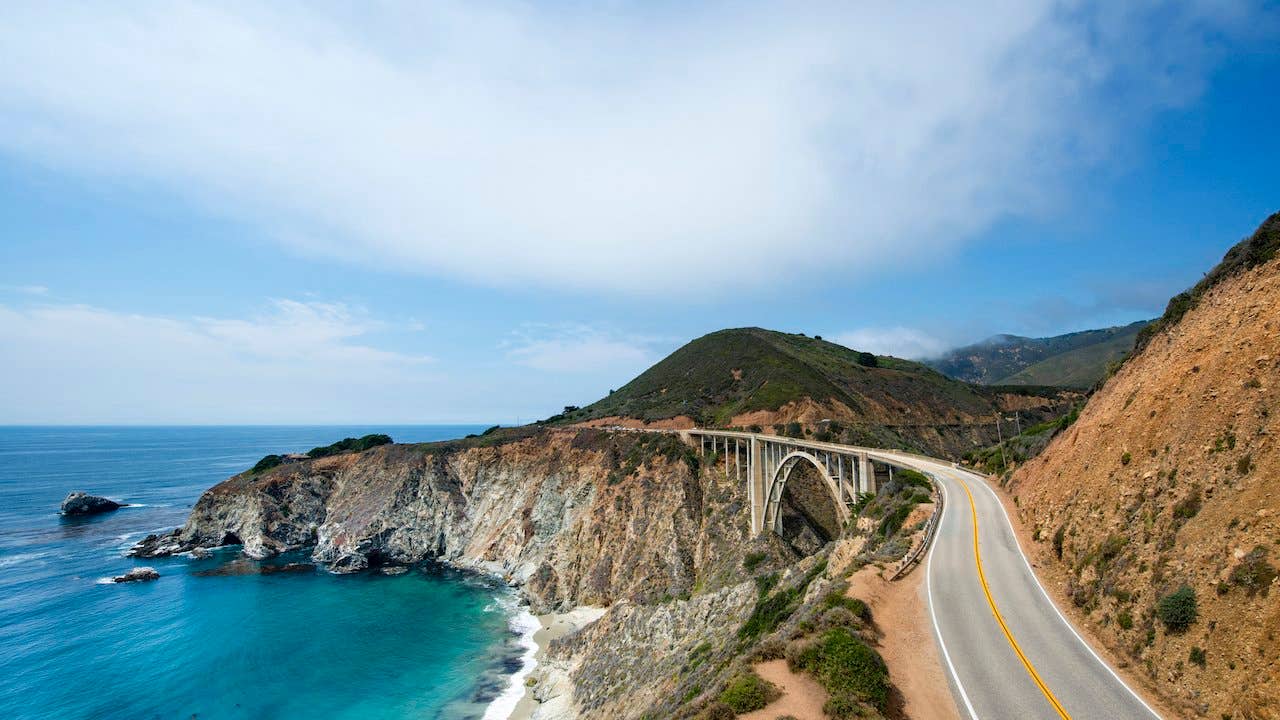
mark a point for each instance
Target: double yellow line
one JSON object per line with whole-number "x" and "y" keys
{"x": 982, "y": 577}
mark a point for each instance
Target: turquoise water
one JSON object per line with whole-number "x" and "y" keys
{"x": 203, "y": 641}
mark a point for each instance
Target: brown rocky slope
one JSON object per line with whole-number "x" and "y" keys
{"x": 1168, "y": 479}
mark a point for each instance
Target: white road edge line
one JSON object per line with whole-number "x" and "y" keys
{"x": 1054, "y": 605}
{"x": 937, "y": 631}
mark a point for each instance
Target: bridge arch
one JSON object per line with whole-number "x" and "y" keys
{"x": 778, "y": 482}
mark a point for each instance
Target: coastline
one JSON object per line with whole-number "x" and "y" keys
{"x": 544, "y": 689}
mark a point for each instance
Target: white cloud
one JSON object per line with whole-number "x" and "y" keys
{"x": 897, "y": 341}
{"x": 571, "y": 348}
{"x": 295, "y": 362}
{"x": 623, "y": 148}
{"x": 26, "y": 289}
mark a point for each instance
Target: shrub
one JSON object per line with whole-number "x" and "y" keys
{"x": 1197, "y": 656}
{"x": 267, "y": 463}
{"x": 753, "y": 560}
{"x": 855, "y": 606}
{"x": 850, "y": 671}
{"x": 1189, "y": 506}
{"x": 1244, "y": 464}
{"x": 719, "y": 711}
{"x": 350, "y": 445}
{"x": 771, "y": 649}
{"x": 1178, "y": 609}
{"x": 1124, "y": 620}
{"x": 867, "y": 359}
{"x": 1126, "y": 458}
{"x": 1254, "y": 573}
{"x": 1058, "y": 536}
{"x": 748, "y": 692}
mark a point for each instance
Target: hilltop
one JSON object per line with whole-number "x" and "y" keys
{"x": 1074, "y": 360}
{"x": 1154, "y": 515}
{"x": 793, "y": 383}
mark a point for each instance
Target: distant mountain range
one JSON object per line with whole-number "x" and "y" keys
{"x": 1074, "y": 360}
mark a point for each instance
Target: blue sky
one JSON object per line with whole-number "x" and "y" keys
{"x": 484, "y": 211}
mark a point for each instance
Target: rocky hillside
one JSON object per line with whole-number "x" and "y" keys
{"x": 572, "y": 517}
{"x": 1075, "y": 360}
{"x": 784, "y": 383}
{"x": 1156, "y": 516}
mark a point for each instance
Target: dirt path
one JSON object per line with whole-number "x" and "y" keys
{"x": 802, "y": 696}
{"x": 901, "y": 613}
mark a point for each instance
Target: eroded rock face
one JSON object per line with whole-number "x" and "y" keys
{"x": 572, "y": 517}
{"x": 557, "y": 514}
{"x": 81, "y": 503}
{"x": 139, "y": 574}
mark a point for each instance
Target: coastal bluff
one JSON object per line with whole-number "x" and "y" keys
{"x": 570, "y": 517}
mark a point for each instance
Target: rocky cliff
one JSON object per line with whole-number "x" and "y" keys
{"x": 572, "y": 517}
{"x": 1156, "y": 514}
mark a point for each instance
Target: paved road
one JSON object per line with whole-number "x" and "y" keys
{"x": 1034, "y": 666}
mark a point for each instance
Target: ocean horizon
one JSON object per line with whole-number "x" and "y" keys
{"x": 222, "y": 636}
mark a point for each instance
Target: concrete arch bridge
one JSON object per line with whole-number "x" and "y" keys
{"x": 766, "y": 463}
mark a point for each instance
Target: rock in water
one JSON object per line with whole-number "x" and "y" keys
{"x": 140, "y": 574}
{"x": 80, "y": 503}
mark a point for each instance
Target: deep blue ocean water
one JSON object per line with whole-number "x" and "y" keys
{"x": 427, "y": 644}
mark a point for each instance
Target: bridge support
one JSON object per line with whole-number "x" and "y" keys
{"x": 756, "y": 488}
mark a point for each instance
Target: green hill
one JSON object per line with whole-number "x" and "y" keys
{"x": 851, "y": 395}
{"x": 1074, "y": 360}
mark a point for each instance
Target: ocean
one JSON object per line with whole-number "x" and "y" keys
{"x": 222, "y": 637}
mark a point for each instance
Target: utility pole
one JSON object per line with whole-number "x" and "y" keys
{"x": 999, "y": 434}
{"x": 1018, "y": 419}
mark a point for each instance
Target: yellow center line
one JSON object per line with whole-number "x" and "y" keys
{"x": 982, "y": 577}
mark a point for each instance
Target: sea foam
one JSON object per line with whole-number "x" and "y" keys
{"x": 523, "y": 624}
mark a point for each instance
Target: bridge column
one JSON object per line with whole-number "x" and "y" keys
{"x": 868, "y": 473}
{"x": 756, "y": 489}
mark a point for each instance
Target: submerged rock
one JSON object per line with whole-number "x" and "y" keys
{"x": 82, "y": 503}
{"x": 140, "y": 574}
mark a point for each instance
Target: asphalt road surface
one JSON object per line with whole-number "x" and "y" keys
{"x": 1009, "y": 652}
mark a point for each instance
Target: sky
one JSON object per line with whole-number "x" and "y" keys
{"x": 480, "y": 212}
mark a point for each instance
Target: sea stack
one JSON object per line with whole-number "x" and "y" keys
{"x": 141, "y": 574}
{"x": 81, "y": 503}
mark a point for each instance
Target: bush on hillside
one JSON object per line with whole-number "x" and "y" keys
{"x": 1254, "y": 573}
{"x": 346, "y": 445}
{"x": 1178, "y": 609}
{"x": 851, "y": 672}
{"x": 267, "y": 463}
{"x": 748, "y": 692}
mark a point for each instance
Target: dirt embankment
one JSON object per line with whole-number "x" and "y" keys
{"x": 1168, "y": 479}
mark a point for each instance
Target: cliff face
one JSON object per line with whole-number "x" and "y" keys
{"x": 574, "y": 517}
{"x": 632, "y": 521}
{"x": 1168, "y": 479}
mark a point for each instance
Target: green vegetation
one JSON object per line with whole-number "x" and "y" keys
{"x": 753, "y": 560}
{"x": 729, "y": 372}
{"x": 1178, "y": 609}
{"x": 1189, "y": 506}
{"x": 267, "y": 463}
{"x": 1197, "y": 656}
{"x": 748, "y": 692}
{"x": 851, "y": 672}
{"x": 347, "y": 445}
{"x": 1124, "y": 620}
{"x": 1076, "y": 360}
{"x": 1254, "y": 573}
{"x": 1255, "y": 250}
{"x": 772, "y": 610}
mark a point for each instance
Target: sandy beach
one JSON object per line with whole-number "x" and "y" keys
{"x": 548, "y": 691}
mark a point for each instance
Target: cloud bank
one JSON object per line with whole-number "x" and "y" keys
{"x": 900, "y": 342}
{"x": 628, "y": 148}
{"x": 294, "y": 362}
